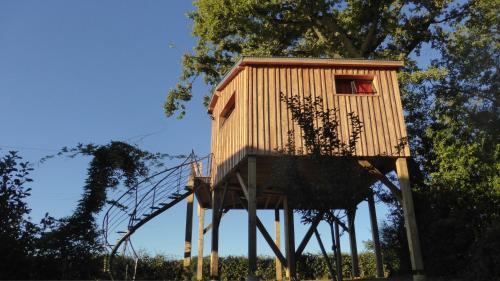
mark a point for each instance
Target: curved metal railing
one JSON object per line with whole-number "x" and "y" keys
{"x": 144, "y": 201}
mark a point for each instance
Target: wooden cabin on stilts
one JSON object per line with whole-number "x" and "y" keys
{"x": 251, "y": 124}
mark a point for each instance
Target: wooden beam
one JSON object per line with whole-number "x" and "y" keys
{"x": 338, "y": 253}
{"x": 210, "y": 225}
{"x": 289, "y": 241}
{"x": 351, "y": 215}
{"x": 223, "y": 200}
{"x": 325, "y": 255}
{"x": 265, "y": 234}
{"x": 242, "y": 184}
{"x": 277, "y": 241}
{"x": 375, "y": 236}
{"x": 278, "y": 203}
{"x": 201, "y": 225}
{"x": 381, "y": 177}
{"x": 214, "y": 255}
{"x": 252, "y": 218}
{"x": 189, "y": 231}
{"x": 417, "y": 263}
{"x": 309, "y": 234}
{"x": 267, "y": 201}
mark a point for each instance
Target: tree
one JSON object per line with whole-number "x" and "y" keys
{"x": 71, "y": 247}
{"x": 457, "y": 147}
{"x": 451, "y": 106}
{"x": 17, "y": 232}
{"x": 226, "y": 30}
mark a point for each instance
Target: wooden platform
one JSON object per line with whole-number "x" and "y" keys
{"x": 269, "y": 191}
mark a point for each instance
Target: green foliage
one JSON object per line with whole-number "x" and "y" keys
{"x": 226, "y": 30}
{"x": 74, "y": 241}
{"x": 455, "y": 126}
{"x": 485, "y": 261}
{"x": 17, "y": 232}
{"x": 69, "y": 247}
{"x": 309, "y": 267}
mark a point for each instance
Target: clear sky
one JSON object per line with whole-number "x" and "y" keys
{"x": 95, "y": 71}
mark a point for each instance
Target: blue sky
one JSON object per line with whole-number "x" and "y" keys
{"x": 95, "y": 71}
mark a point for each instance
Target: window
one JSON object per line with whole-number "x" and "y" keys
{"x": 228, "y": 110}
{"x": 362, "y": 85}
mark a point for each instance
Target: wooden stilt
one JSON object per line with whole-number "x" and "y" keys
{"x": 277, "y": 241}
{"x": 214, "y": 255}
{"x": 375, "y": 236}
{"x": 189, "y": 234}
{"x": 338, "y": 253}
{"x": 252, "y": 218}
{"x": 410, "y": 220}
{"x": 289, "y": 241}
{"x": 201, "y": 225}
{"x": 351, "y": 214}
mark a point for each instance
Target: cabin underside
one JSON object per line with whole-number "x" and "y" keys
{"x": 270, "y": 189}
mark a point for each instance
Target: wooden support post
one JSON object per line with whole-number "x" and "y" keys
{"x": 201, "y": 226}
{"x": 417, "y": 263}
{"x": 375, "y": 236}
{"x": 289, "y": 241}
{"x": 214, "y": 255}
{"x": 252, "y": 218}
{"x": 325, "y": 255}
{"x": 189, "y": 234}
{"x": 277, "y": 241}
{"x": 351, "y": 214}
{"x": 260, "y": 225}
{"x": 338, "y": 253}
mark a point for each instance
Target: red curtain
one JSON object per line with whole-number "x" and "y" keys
{"x": 364, "y": 87}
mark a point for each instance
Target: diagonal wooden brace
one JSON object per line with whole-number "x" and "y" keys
{"x": 381, "y": 177}
{"x": 210, "y": 225}
{"x": 261, "y": 226}
{"x": 309, "y": 234}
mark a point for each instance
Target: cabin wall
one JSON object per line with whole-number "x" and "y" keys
{"x": 229, "y": 140}
{"x": 270, "y": 120}
{"x": 261, "y": 121}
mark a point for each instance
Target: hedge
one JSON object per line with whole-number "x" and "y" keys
{"x": 309, "y": 267}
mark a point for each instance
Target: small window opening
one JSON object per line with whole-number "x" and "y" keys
{"x": 354, "y": 85}
{"x": 228, "y": 110}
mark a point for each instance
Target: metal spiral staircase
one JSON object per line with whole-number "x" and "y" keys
{"x": 147, "y": 199}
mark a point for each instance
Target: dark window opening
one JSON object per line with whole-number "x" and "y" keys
{"x": 350, "y": 85}
{"x": 228, "y": 110}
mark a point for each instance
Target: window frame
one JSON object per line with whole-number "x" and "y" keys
{"x": 228, "y": 110}
{"x": 353, "y": 78}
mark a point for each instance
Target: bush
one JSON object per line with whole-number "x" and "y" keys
{"x": 309, "y": 266}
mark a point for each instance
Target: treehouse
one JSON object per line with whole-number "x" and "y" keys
{"x": 252, "y": 126}
{"x": 250, "y": 117}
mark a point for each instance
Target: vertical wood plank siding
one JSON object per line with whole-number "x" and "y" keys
{"x": 260, "y": 122}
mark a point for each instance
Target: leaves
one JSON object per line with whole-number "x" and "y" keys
{"x": 226, "y": 30}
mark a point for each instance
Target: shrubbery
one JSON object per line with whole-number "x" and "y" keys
{"x": 309, "y": 267}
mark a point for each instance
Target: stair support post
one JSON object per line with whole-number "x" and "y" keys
{"x": 201, "y": 227}
{"x": 189, "y": 233}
